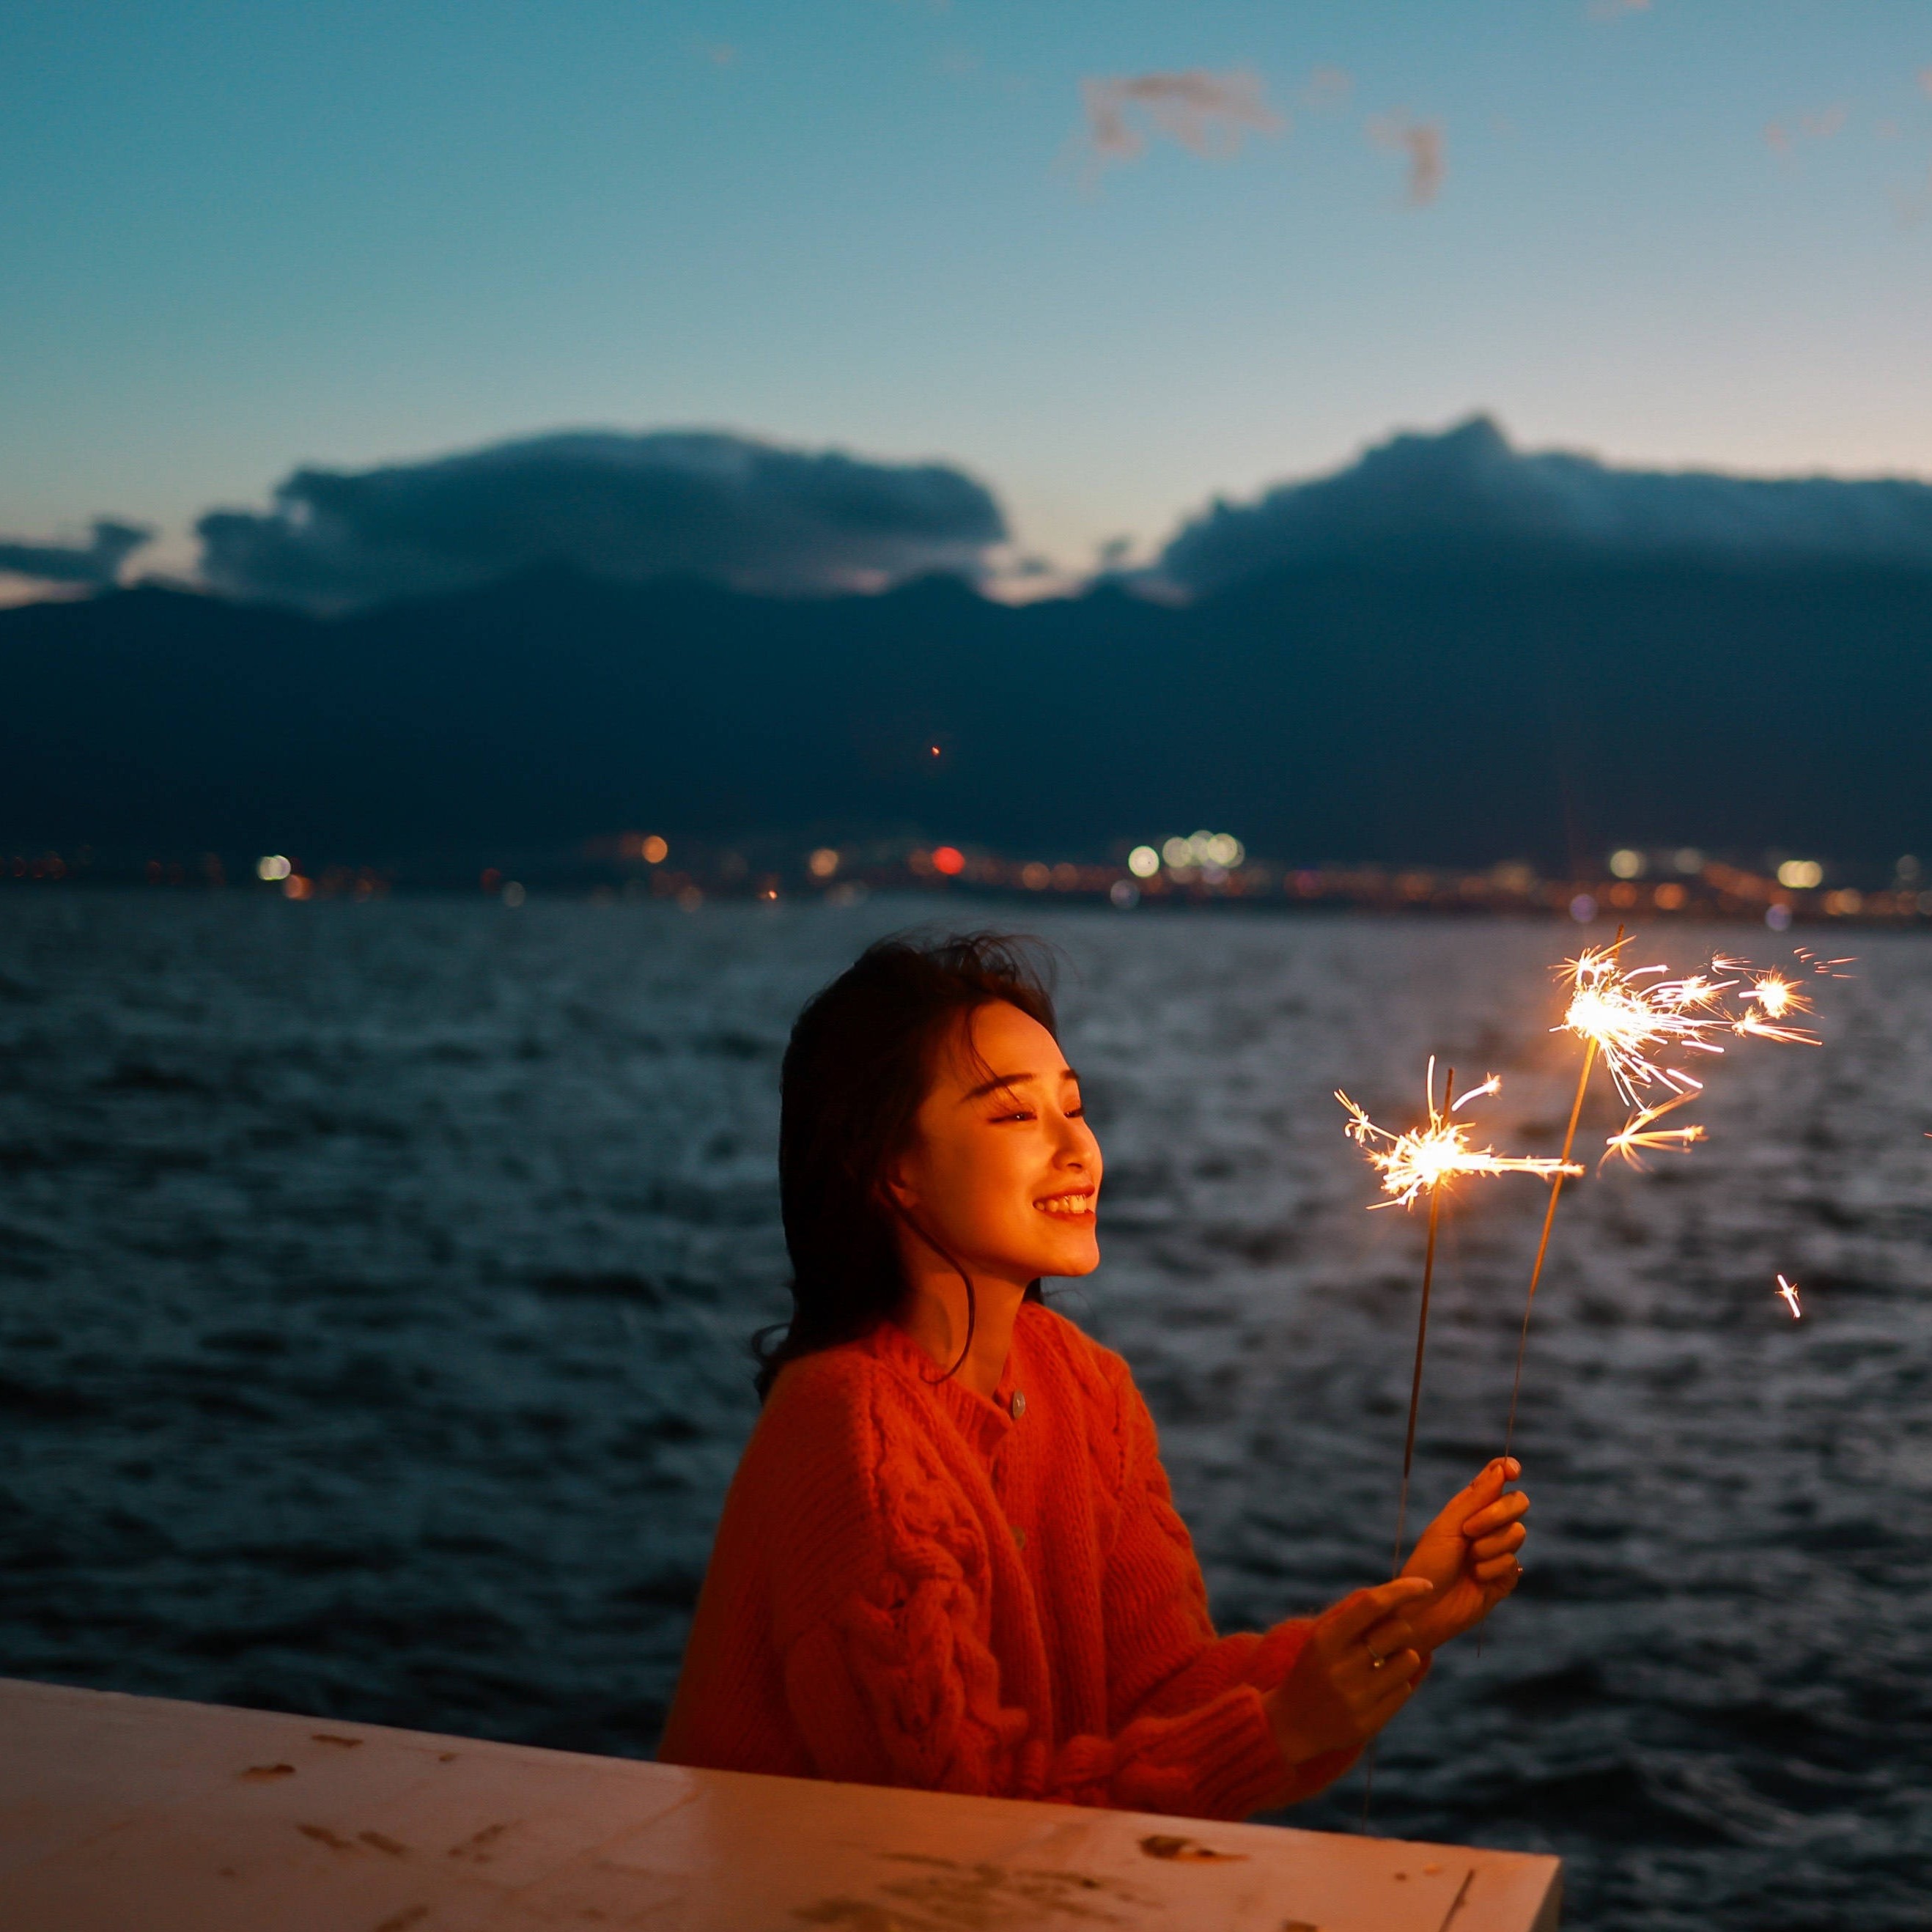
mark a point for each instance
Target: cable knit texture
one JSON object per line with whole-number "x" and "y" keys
{"x": 913, "y": 1584}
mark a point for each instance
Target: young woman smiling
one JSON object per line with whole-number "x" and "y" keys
{"x": 949, "y": 1558}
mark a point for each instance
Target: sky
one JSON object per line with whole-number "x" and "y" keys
{"x": 1113, "y": 257}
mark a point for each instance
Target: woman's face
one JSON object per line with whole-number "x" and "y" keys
{"x": 1004, "y": 1172}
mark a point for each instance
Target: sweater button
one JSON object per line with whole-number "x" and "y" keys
{"x": 1018, "y": 1405}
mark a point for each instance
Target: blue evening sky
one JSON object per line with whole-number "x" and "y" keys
{"x": 242, "y": 236}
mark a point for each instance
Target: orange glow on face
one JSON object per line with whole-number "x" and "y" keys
{"x": 948, "y": 859}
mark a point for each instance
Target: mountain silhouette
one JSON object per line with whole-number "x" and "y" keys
{"x": 1500, "y": 699}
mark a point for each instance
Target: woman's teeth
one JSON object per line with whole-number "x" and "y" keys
{"x": 1065, "y": 1204}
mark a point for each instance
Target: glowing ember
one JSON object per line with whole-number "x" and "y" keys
{"x": 1424, "y": 1158}
{"x": 1637, "y": 1134}
{"x": 1789, "y": 1291}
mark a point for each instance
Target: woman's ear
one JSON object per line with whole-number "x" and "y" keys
{"x": 896, "y": 1191}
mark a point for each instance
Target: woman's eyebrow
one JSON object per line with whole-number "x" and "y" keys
{"x": 994, "y": 1085}
{"x": 1000, "y": 1080}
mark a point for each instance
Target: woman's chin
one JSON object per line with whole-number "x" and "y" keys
{"x": 1071, "y": 1258}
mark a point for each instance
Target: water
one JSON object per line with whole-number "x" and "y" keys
{"x": 375, "y": 1280}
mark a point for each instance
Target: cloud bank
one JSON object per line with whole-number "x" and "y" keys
{"x": 1208, "y": 114}
{"x": 1418, "y": 495}
{"x": 747, "y": 513}
{"x": 96, "y": 562}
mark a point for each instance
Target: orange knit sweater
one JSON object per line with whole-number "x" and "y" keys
{"x": 914, "y": 1585}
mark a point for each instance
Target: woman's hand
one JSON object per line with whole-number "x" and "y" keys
{"x": 1468, "y": 1554}
{"x": 1354, "y": 1672}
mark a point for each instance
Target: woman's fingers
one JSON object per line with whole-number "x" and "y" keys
{"x": 1501, "y": 1544}
{"x": 1361, "y": 1610}
{"x": 1510, "y": 1508}
{"x": 1501, "y": 1570}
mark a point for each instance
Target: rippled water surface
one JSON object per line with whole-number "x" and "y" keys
{"x": 376, "y": 1278}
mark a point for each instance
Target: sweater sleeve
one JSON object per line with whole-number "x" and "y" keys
{"x": 892, "y": 1679}
{"x": 1164, "y": 1655}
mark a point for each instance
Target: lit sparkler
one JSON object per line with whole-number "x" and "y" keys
{"x": 1421, "y": 1161}
{"x": 1630, "y": 1016}
{"x": 1424, "y": 1157}
{"x": 1633, "y": 1017}
{"x": 1789, "y": 1291}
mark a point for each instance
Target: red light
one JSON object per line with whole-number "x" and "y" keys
{"x": 948, "y": 859}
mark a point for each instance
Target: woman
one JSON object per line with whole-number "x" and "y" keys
{"x": 949, "y": 1559}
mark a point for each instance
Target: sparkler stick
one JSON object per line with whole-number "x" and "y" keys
{"x": 1422, "y": 1160}
{"x": 1418, "y": 1161}
{"x": 1421, "y": 1330}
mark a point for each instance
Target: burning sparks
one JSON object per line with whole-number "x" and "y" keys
{"x": 1637, "y": 1134}
{"x": 1774, "y": 997}
{"x": 1789, "y": 1291}
{"x": 1424, "y": 1158}
{"x": 1629, "y": 1023}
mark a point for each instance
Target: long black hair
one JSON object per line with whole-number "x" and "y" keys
{"x": 860, "y": 1063}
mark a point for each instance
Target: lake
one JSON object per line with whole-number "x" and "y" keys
{"x": 376, "y": 1281}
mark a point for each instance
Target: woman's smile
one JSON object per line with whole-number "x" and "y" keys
{"x": 1079, "y": 1203}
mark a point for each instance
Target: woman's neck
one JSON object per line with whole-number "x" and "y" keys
{"x": 934, "y": 1315}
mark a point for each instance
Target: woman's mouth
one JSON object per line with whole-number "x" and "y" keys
{"x": 1069, "y": 1205}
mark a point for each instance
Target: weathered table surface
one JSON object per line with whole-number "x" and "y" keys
{"x": 137, "y": 1814}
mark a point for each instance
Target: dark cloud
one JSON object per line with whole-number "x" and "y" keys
{"x": 96, "y": 562}
{"x": 740, "y": 512}
{"x": 1468, "y": 487}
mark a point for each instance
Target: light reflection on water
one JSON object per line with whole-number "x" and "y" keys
{"x": 376, "y": 1279}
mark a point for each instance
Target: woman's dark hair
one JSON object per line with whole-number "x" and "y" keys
{"x": 860, "y": 1063}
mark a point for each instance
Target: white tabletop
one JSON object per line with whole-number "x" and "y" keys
{"x": 137, "y": 1814}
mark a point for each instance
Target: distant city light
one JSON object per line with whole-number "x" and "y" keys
{"x": 1582, "y": 908}
{"x": 1627, "y": 862}
{"x": 514, "y": 894}
{"x": 295, "y": 887}
{"x": 948, "y": 859}
{"x": 1688, "y": 859}
{"x": 1178, "y": 853}
{"x": 1123, "y": 892}
{"x": 1800, "y": 874}
{"x": 1035, "y": 877}
{"x": 655, "y": 850}
{"x": 1778, "y": 918}
{"x": 1217, "y": 848}
{"x": 1143, "y": 862}
{"x": 823, "y": 862}
{"x": 273, "y": 868}
{"x": 1669, "y": 896}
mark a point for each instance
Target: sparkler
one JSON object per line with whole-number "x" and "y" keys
{"x": 1633, "y": 1016}
{"x": 1421, "y": 1161}
{"x": 1789, "y": 1291}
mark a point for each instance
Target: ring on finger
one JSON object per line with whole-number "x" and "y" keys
{"x": 1380, "y": 1659}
